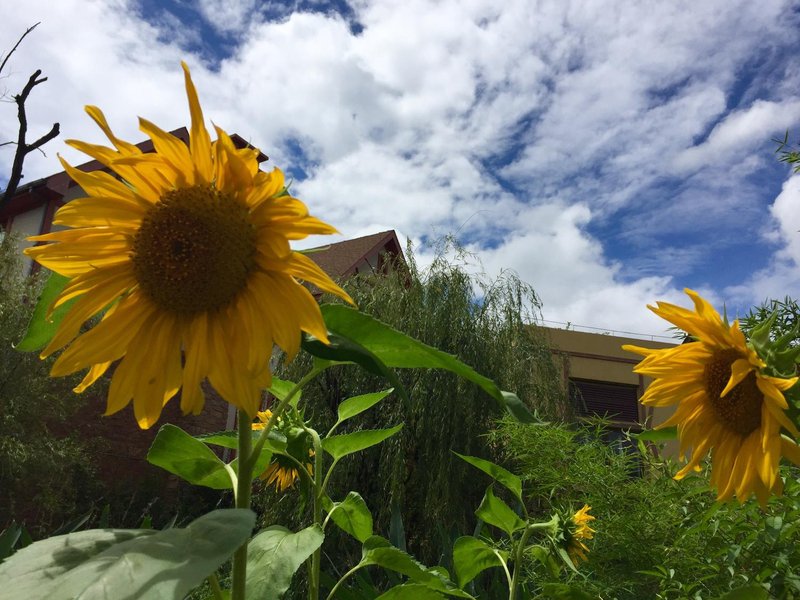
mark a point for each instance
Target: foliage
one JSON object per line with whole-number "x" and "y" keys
{"x": 788, "y": 154}
{"x": 656, "y": 538}
{"x": 41, "y": 457}
{"x": 485, "y": 323}
{"x": 786, "y": 315}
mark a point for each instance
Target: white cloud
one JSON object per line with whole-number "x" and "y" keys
{"x": 412, "y": 123}
{"x": 228, "y": 16}
{"x": 781, "y": 277}
{"x": 740, "y": 129}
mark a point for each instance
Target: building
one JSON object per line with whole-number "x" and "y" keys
{"x": 599, "y": 376}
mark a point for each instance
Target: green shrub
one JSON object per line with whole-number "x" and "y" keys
{"x": 45, "y": 477}
{"x": 655, "y": 537}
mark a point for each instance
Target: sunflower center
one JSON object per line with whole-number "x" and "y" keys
{"x": 194, "y": 250}
{"x": 740, "y": 409}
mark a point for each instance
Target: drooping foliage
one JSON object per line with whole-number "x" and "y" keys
{"x": 414, "y": 482}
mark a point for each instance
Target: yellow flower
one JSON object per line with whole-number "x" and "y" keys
{"x": 726, "y": 404}
{"x": 282, "y": 471}
{"x": 263, "y": 417}
{"x": 189, "y": 247}
{"x": 578, "y": 531}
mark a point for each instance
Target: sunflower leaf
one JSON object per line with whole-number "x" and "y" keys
{"x": 749, "y": 592}
{"x": 499, "y": 474}
{"x": 378, "y": 551}
{"x": 358, "y": 404}
{"x": 351, "y": 515}
{"x": 339, "y": 446}
{"x": 341, "y": 350}
{"x": 472, "y": 556}
{"x": 274, "y": 555}
{"x": 398, "y": 350}
{"x": 657, "y": 435}
{"x": 176, "y": 451}
{"x": 41, "y": 329}
{"x": 496, "y": 512}
{"x": 119, "y": 564}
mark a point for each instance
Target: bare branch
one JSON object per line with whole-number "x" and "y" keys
{"x": 19, "y": 41}
{"x": 24, "y": 148}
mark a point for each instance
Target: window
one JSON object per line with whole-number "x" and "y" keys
{"x": 614, "y": 401}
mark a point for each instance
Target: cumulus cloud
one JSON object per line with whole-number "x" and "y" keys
{"x": 586, "y": 145}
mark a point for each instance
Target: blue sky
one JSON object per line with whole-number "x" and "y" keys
{"x": 609, "y": 152}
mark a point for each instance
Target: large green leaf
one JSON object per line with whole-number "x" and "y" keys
{"x": 107, "y": 564}
{"x": 657, "y": 435}
{"x": 274, "y": 555}
{"x": 276, "y": 442}
{"x": 191, "y": 459}
{"x": 358, "y": 404}
{"x": 351, "y": 515}
{"x": 395, "y": 349}
{"x": 496, "y": 512}
{"x": 176, "y": 451}
{"x": 41, "y": 329}
{"x": 341, "y": 350}
{"x": 339, "y": 446}
{"x": 750, "y": 592}
{"x": 281, "y": 388}
{"x": 410, "y": 591}
{"x": 377, "y": 551}
{"x": 496, "y": 472}
{"x": 9, "y": 539}
{"x": 472, "y": 556}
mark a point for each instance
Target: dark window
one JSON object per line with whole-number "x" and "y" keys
{"x": 615, "y": 401}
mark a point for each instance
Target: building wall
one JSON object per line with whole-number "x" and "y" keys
{"x": 600, "y": 358}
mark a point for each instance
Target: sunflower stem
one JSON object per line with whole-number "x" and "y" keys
{"x": 316, "y": 558}
{"x": 518, "y": 556}
{"x": 243, "y": 489}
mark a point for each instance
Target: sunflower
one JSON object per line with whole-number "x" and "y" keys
{"x": 726, "y": 404}
{"x": 282, "y": 471}
{"x": 187, "y": 250}
{"x": 578, "y": 530}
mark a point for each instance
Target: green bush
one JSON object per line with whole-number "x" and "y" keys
{"x": 655, "y": 537}
{"x": 45, "y": 477}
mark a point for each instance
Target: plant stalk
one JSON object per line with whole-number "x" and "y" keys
{"x": 243, "y": 489}
{"x": 316, "y": 558}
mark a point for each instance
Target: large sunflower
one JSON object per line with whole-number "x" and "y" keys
{"x": 726, "y": 404}
{"x": 187, "y": 248}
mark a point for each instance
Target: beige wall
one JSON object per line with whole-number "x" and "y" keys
{"x": 600, "y": 357}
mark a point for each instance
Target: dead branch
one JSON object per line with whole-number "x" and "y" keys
{"x": 19, "y": 41}
{"x": 23, "y": 148}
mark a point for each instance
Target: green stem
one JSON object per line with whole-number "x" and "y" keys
{"x": 243, "y": 488}
{"x": 213, "y": 581}
{"x": 316, "y": 558}
{"x": 520, "y": 552}
{"x": 342, "y": 580}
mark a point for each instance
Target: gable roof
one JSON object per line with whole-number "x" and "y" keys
{"x": 343, "y": 259}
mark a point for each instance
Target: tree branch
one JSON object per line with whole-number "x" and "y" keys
{"x": 24, "y": 148}
{"x": 19, "y": 41}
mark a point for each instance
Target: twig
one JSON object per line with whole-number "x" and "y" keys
{"x": 19, "y": 41}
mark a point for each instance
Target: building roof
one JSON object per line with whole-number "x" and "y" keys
{"x": 342, "y": 259}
